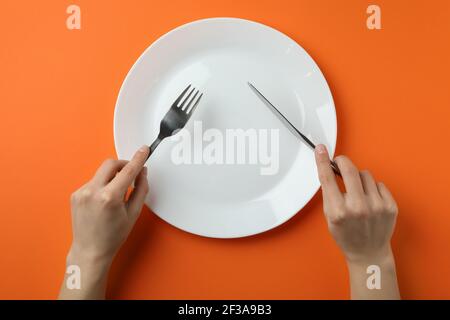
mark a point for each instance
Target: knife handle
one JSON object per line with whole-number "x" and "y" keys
{"x": 335, "y": 168}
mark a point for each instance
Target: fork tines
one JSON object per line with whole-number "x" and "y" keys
{"x": 187, "y": 103}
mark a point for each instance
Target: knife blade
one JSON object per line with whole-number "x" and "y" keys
{"x": 289, "y": 125}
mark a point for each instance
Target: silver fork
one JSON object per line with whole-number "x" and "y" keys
{"x": 177, "y": 116}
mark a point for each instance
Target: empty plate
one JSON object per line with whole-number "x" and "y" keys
{"x": 259, "y": 174}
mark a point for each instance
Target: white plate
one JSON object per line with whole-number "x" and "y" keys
{"x": 219, "y": 56}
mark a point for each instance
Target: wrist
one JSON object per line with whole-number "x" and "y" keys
{"x": 88, "y": 261}
{"x": 92, "y": 275}
{"x": 381, "y": 276}
{"x": 383, "y": 258}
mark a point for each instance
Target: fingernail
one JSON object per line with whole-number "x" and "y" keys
{"x": 321, "y": 148}
{"x": 144, "y": 148}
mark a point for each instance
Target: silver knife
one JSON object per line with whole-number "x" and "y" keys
{"x": 289, "y": 125}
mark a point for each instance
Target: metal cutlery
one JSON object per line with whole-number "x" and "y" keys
{"x": 290, "y": 125}
{"x": 177, "y": 116}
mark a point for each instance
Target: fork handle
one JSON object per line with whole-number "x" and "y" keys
{"x": 153, "y": 146}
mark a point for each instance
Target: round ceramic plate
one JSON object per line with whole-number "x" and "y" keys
{"x": 229, "y": 198}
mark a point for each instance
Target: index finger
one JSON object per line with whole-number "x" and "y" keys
{"x": 129, "y": 172}
{"x": 330, "y": 188}
{"x": 107, "y": 171}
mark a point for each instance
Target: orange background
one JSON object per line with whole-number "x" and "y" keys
{"x": 58, "y": 90}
